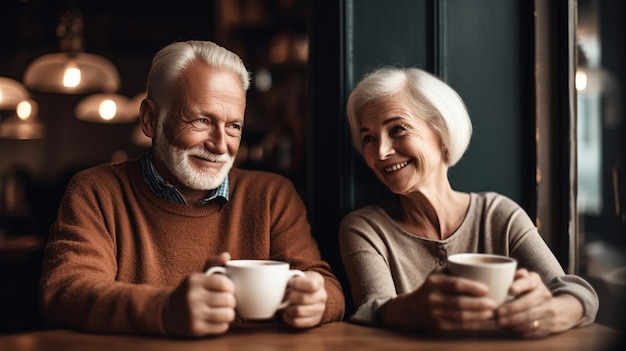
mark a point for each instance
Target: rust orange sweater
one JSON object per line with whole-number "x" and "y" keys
{"x": 117, "y": 250}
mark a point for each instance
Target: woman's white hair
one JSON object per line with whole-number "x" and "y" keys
{"x": 432, "y": 100}
{"x": 169, "y": 63}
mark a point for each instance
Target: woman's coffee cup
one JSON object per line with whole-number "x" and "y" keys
{"x": 495, "y": 271}
{"x": 260, "y": 285}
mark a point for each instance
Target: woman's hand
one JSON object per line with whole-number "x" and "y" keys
{"x": 443, "y": 302}
{"x": 535, "y": 312}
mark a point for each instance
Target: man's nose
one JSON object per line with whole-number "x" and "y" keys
{"x": 216, "y": 142}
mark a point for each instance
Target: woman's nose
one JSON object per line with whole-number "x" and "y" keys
{"x": 385, "y": 148}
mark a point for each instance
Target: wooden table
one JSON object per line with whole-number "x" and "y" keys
{"x": 340, "y": 336}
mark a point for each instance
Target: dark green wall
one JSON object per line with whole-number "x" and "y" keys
{"x": 487, "y": 58}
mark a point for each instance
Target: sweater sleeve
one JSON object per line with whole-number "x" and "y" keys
{"x": 293, "y": 242}
{"x": 364, "y": 258}
{"x": 532, "y": 252}
{"x": 78, "y": 287}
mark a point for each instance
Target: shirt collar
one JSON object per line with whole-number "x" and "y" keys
{"x": 162, "y": 188}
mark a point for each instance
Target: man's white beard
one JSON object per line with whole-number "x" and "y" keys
{"x": 177, "y": 160}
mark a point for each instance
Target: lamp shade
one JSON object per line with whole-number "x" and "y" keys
{"x": 78, "y": 73}
{"x": 23, "y": 123}
{"x": 12, "y": 93}
{"x": 106, "y": 108}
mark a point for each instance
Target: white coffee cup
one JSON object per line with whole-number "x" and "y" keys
{"x": 495, "y": 271}
{"x": 259, "y": 285}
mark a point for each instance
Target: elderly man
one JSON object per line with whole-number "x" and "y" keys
{"x": 132, "y": 240}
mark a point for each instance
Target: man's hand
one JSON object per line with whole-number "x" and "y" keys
{"x": 307, "y": 300}
{"x": 201, "y": 304}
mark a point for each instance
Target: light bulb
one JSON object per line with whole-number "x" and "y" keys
{"x": 107, "y": 109}
{"x": 71, "y": 76}
{"x": 24, "y": 110}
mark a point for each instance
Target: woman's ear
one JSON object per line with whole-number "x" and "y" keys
{"x": 147, "y": 118}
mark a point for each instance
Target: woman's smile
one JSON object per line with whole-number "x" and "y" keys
{"x": 396, "y": 167}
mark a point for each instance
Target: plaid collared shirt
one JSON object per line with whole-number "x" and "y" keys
{"x": 161, "y": 188}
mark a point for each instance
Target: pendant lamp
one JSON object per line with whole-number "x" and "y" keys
{"x": 72, "y": 71}
{"x": 12, "y": 93}
{"x": 106, "y": 108}
{"x": 23, "y": 123}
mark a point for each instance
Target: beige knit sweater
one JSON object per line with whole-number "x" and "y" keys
{"x": 382, "y": 260}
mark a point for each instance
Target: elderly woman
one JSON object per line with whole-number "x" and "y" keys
{"x": 410, "y": 127}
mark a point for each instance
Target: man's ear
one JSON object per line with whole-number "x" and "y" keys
{"x": 147, "y": 118}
